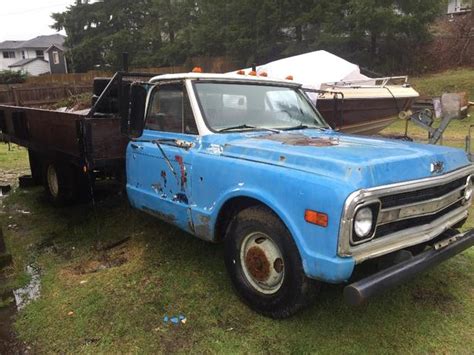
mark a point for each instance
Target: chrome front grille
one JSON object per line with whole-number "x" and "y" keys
{"x": 406, "y": 198}
{"x": 410, "y": 213}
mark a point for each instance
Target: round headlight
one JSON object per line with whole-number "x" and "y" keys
{"x": 363, "y": 222}
{"x": 469, "y": 189}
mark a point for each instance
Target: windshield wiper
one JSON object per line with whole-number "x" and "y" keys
{"x": 303, "y": 126}
{"x": 300, "y": 126}
{"x": 246, "y": 126}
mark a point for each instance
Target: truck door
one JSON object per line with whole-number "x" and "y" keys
{"x": 160, "y": 162}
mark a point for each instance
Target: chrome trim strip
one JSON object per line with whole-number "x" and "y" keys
{"x": 386, "y": 244}
{"x": 420, "y": 209}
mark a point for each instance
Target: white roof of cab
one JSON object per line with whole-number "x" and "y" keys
{"x": 224, "y": 77}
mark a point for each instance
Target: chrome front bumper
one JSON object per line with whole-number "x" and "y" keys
{"x": 412, "y": 235}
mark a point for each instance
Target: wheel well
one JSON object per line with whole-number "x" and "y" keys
{"x": 230, "y": 208}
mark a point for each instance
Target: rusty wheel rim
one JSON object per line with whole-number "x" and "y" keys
{"x": 262, "y": 263}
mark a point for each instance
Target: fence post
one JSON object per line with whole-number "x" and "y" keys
{"x": 15, "y": 96}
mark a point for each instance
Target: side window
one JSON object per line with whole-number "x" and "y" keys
{"x": 170, "y": 111}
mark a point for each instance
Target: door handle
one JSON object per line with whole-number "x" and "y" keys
{"x": 136, "y": 146}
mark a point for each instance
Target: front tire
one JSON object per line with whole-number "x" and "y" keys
{"x": 265, "y": 266}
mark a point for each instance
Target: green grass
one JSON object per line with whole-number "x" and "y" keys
{"x": 161, "y": 270}
{"x": 456, "y": 80}
{"x": 12, "y": 157}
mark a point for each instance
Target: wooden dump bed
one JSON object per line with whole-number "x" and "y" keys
{"x": 68, "y": 135}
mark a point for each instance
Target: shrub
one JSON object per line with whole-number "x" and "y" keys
{"x": 12, "y": 77}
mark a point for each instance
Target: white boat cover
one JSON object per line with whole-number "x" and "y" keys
{"x": 312, "y": 69}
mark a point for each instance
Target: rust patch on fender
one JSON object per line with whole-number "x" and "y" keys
{"x": 301, "y": 139}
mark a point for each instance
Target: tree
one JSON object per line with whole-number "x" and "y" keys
{"x": 380, "y": 34}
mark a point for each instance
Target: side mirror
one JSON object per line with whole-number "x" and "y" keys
{"x": 138, "y": 95}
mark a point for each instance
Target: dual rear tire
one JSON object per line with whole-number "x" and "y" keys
{"x": 63, "y": 182}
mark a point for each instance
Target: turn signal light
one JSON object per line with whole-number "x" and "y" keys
{"x": 318, "y": 218}
{"x": 197, "y": 70}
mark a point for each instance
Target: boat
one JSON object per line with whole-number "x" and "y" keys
{"x": 364, "y": 106}
{"x": 348, "y": 100}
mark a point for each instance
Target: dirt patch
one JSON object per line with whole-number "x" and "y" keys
{"x": 112, "y": 255}
{"x": 9, "y": 344}
{"x": 92, "y": 266}
{"x": 10, "y": 177}
{"x": 444, "y": 301}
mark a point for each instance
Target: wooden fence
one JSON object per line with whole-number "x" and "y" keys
{"x": 77, "y": 78}
{"x": 48, "y": 89}
{"x": 39, "y": 95}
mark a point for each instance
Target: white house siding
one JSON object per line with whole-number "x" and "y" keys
{"x": 459, "y": 6}
{"x": 29, "y": 53}
{"x": 5, "y": 62}
{"x": 36, "y": 67}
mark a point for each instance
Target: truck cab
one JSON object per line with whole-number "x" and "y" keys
{"x": 249, "y": 161}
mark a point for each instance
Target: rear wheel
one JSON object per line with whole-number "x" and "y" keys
{"x": 60, "y": 183}
{"x": 265, "y": 266}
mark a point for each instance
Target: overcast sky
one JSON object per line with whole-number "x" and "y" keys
{"x": 26, "y": 19}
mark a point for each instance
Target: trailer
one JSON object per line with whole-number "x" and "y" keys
{"x": 69, "y": 151}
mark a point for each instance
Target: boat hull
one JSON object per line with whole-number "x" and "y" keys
{"x": 362, "y": 115}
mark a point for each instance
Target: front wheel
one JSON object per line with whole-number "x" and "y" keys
{"x": 265, "y": 266}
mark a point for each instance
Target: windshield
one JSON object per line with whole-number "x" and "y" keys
{"x": 228, "y": 106}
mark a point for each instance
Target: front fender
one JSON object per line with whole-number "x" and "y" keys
{"x": 317, "y": 246}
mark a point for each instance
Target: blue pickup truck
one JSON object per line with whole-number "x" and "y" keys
{"x": 248, "y": 161}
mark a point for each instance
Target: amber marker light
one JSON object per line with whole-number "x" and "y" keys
{"x": 318, "y": 218}
{"x": 197, "y": 70}
{"x": 253, "y": 73}
{"x": 289, "y": 77}
{"x": 241, "y": 72}
{"x": 263, "y": 73}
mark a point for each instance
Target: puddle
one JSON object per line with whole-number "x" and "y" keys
{"x": 30, "y": 292}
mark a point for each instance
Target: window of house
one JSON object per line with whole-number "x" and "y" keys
{"x": 23, "y": 55}
{"x": 39, "y": 54}
{"x": 170, "y": 111}
{"x": 8, "y": 54}
{"x": 55, "y": 57}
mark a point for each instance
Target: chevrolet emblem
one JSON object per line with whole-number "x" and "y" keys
{"x": 437, "y": 167}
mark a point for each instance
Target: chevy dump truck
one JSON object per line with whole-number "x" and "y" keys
{"x": 249, "y": 161}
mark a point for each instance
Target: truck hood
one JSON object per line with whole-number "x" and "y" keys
{"x": 361, "y": 161}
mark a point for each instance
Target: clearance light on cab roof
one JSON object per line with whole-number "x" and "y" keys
{"x": 241, "y": 72}
{"x": 197, "y": 70}
{"x": 314, "y": 217}
{"x": 253, "y": 73}
{"x": 263, "y": 73}
{"x": 289, "y": 77}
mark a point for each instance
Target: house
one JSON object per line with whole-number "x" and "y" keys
{"x": 57, "y": 60}
{"x": 40, "y": 55}
{"x": 459, "y": 7}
